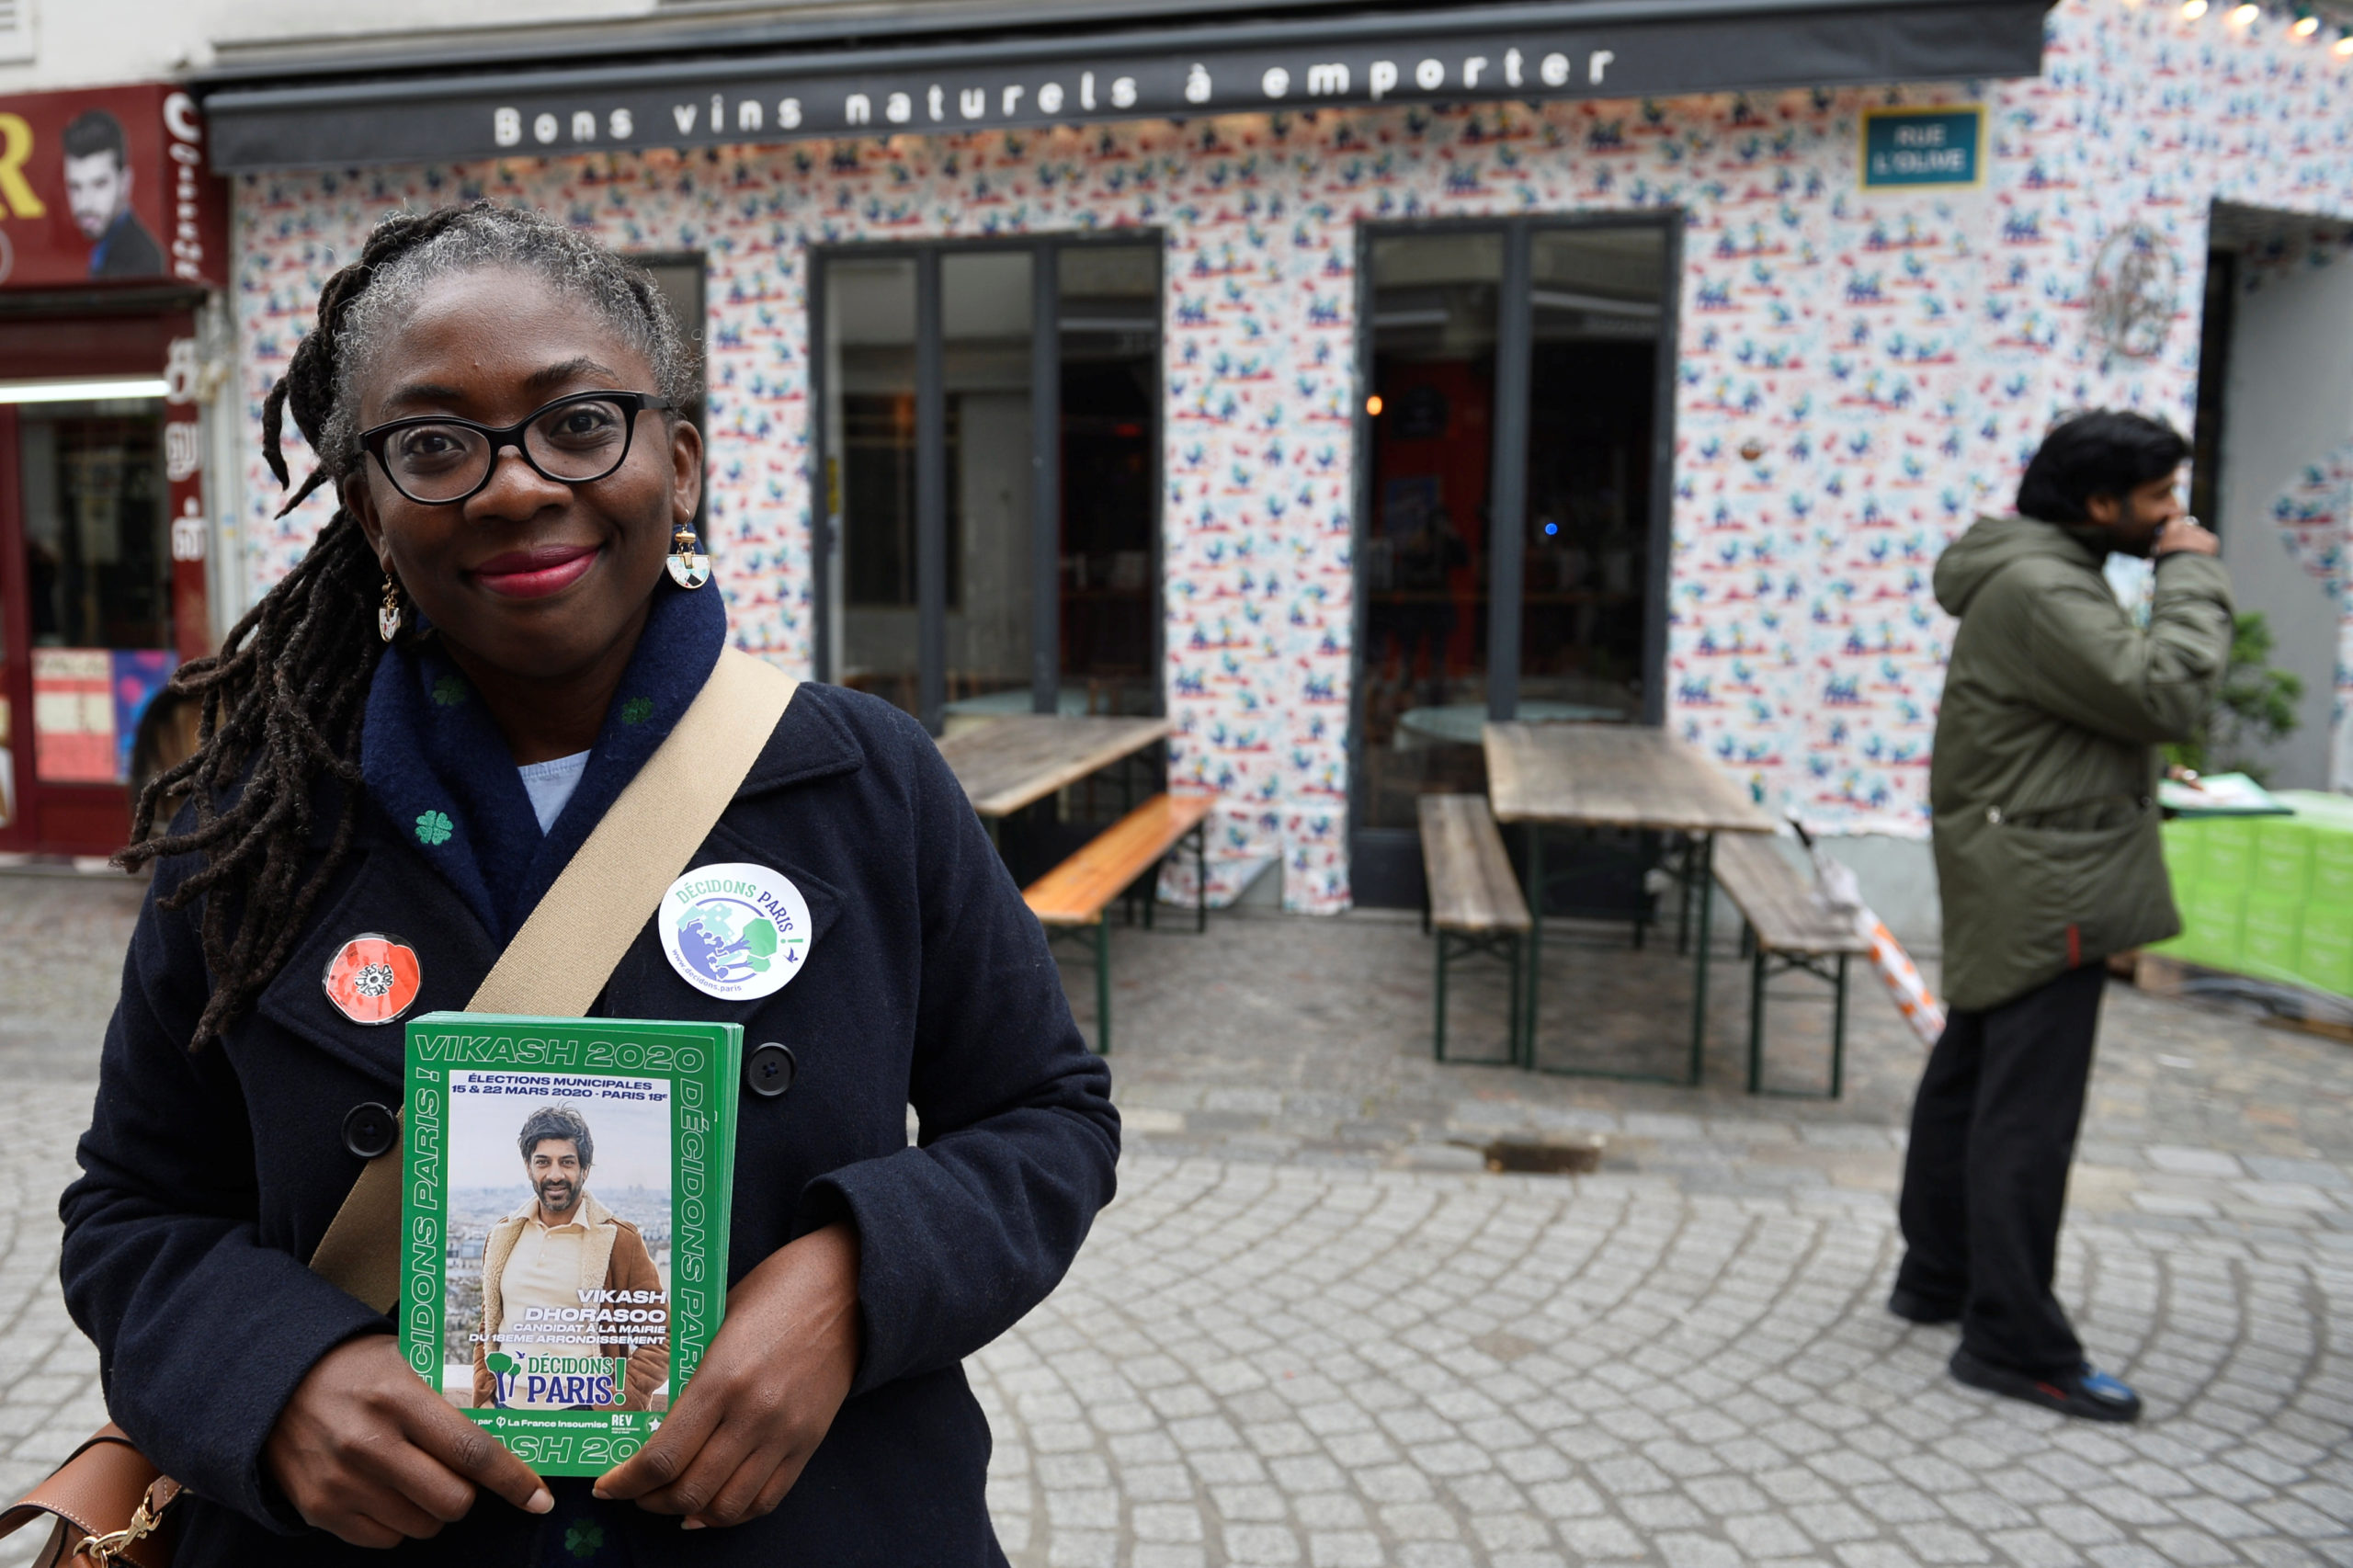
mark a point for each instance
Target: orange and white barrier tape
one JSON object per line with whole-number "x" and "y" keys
{"x": 1909, "y": 992}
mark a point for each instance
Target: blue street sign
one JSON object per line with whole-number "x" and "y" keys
{"x": 1910, "y": 146}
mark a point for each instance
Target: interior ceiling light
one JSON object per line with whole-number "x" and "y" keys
{"x": 2193, "y": 9}
{"x": 82, "y": 391}
{"x": 2245, "y": 16}
{"x": 2345, "y": 46}
{"x": 2306, "y": 26}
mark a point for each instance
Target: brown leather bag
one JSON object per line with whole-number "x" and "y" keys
{"x": 111, "y": 1505}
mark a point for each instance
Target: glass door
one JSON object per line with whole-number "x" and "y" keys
{"x": 86, "y": 619}
{"x": 1423, "y": 570}
{"x": 1597, "y": 297}
{"x": 1516, "y": 447}
{"x": 990, "y": 439}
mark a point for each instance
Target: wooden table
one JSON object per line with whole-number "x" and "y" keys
{"x": 1017, "y": 760}
{"x": 1620, "y": 776}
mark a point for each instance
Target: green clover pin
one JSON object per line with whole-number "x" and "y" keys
{"x": 637, "y": 710}
{"x": 584, "y": 1539}
{"x": 449, "y": 691}
{"x": 434, "y": 828}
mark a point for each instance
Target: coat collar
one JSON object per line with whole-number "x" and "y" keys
{"x": 434, "y": 760}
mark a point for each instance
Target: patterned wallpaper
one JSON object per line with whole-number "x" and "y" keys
{"x": 1891, "y": 358}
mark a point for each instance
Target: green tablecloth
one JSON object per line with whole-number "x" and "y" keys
{"x": 2271, "y": 896}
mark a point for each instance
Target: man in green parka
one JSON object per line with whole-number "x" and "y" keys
{"x": 2048, "y": 859}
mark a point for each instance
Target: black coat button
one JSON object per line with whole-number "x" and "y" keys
{"x": 370, "y": 1129}
{"x": 769, "y": 1070}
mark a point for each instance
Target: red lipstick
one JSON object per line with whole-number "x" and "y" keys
{"x": 536, "y": 572}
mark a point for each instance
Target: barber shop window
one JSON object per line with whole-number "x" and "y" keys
{"x": 989, "y": 475}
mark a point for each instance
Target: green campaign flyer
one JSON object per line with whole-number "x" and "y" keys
{"x": 567, "y": 1188}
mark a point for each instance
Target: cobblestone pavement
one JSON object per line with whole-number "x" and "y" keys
{"x": 1313, "y": 1330}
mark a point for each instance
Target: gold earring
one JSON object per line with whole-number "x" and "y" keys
{"x": 690, "y": 567}
{"x": 388, "y": 614}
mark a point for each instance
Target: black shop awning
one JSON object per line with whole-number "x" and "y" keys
{"x": 819, "y": 70}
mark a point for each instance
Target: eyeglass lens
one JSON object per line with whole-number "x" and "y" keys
{"x": 575, "y": 442}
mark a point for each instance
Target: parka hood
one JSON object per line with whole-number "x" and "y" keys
{"x": 1971, "y": 561}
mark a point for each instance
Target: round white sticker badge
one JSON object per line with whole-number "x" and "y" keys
{"x": 736, "y": 930}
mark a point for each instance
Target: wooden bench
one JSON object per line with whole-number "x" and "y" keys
{"x": 1787, "y": 929}
{"x": 1474, "y": 902}
{"x": 1076, "y": 897}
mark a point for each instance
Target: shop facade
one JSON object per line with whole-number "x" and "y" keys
{"x": 113, "y": 245}
{"x": 1335, "y": 389}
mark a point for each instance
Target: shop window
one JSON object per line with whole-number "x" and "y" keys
{"x": 1513, "y": 502}
{"x": 989, "y": 474}
{"x": 88, "y": 620}
{"x": 97, "y": 550}
{"x": 1424, "y": 567}
{"x": 1596, "y": 298}
{"x": 1106, "y": 541}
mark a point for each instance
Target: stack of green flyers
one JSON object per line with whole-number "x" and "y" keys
{"x": 564, "y": 1217}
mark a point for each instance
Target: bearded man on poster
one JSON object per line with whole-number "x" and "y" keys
{"x": 571, "y": 1259}
{"x": 2043, "y": 789}
{"x": 98, "y": 192}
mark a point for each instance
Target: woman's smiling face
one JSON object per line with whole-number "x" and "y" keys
{"x": 529, "y": 577}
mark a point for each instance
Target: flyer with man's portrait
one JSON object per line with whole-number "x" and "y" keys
{"x": 568, "y": 1186}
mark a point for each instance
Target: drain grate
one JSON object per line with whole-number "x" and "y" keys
{"x": 1545, "y": 1156}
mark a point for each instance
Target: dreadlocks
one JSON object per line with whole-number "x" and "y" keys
{"x": 282, "y": 701}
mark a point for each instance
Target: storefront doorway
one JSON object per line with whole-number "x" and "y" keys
{"x": 989, "y": 464}
{"x": 2273, "y": 456}
{"x": 102, "y": 581}
{"x": 1517, "y": 441}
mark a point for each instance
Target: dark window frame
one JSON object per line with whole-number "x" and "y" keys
{"x": 1391, "y": 857}
{"x": 1045, "y": 457}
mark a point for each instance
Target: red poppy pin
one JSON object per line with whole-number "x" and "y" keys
{"x": 373, "y": 978}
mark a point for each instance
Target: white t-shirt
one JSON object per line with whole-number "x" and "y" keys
{"x": 550, "y": 784}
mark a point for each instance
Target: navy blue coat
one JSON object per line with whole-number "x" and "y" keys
{"x": 208, "y": 1178}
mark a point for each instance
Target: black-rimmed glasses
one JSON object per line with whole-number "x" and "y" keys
{"x": 436, "y": 460}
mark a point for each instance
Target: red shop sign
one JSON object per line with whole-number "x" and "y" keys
{"x": 108, "y": 185}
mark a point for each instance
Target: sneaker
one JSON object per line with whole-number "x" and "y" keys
{"x": 2089, "y": 1394}
{"x": 1913, "y": 1307}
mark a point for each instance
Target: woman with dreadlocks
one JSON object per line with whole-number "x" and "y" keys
{"x": 412, "y": 733}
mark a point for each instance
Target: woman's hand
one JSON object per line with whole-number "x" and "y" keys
{"x": 366, "y": 1452}
{"x": 765, "y": 1395}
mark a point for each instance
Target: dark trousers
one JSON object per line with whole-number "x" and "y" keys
{"x": 1993, "y": 1133}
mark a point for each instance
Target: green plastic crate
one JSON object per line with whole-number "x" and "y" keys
{"x": 2213, "y": 920}
{"x": 2229, "y": 852}
{"x": 2324, "y": 956}
{"x": 2283, "y": 858}
{"x": 2269, "y": 936}
{"x": 2184, "y": 851}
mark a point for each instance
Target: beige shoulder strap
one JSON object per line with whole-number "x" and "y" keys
{"x": 560, "y": 958}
